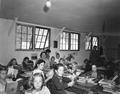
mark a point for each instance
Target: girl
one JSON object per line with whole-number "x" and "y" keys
{"x": 12, "y": 69}
{"x": 3, "y": 74}
{"x": 52, "y": 62}
{"x": 37, "y": 85}
{"x": 39, "y": 69}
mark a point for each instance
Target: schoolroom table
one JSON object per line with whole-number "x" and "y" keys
{"x": 87, "y": 88}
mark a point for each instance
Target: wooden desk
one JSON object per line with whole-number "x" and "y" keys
{"x": 87, "y": 89}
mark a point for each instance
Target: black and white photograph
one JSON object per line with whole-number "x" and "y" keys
{"x": 59, "y": 46}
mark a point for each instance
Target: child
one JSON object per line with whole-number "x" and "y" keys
{"x": 37, "y": 85}
{"x": 39, "y": 69}
{"x": 58, "y": 81}
{"x": 57, "y": 57}
{"x": 52, "y": 62}
{"x": 3, "y": 74}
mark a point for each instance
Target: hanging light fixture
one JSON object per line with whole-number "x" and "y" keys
{"x": 47, "y": 6}
{"x": 48, "y": 3}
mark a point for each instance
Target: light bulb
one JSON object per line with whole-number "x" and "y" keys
{"x": 48, "y": 3}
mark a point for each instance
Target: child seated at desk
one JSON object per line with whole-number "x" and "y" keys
{"x": 58, "y": 85}
{"x": 37, "y": 85}
{"x": 3, "y": 83}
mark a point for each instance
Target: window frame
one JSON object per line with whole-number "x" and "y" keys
{"x": 91, "y": 47}
{"x": 33, "y": 36}
{"x": 69, "y": 41}
{"x": 42, "y": 35}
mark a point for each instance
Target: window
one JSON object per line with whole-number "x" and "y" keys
{"x": 91, "y": 41}
{"x": 31, "y": 37}
{"x": 64, "y": 38}
{"x": 74, "y": 41}
{"x": 41, "y": 38}
{"x": 24, "y": 37}
{"x": 69, "y": 41}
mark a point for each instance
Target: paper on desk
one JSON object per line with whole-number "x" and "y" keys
{"x": 11, "y": 87}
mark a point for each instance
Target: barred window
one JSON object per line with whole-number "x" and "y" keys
{"x": 91, "y": 41}
{"x": 41, "y": 38}
{"x": 31, "y": 37}
{"x": 69, "y": 41}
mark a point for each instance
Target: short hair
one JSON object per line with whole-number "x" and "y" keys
{"x": 3, "y": 68}
{"x": 56, "y": 67}
{"x": 11, "y": 62}
{"x": 31, "y": 80}
{"x": 42, "y": 53}
{"x": 48, "y": 51}
{"x": 25, "y": 58}
{"x": 39, "y": 62}
{"x": 57, "y": 53}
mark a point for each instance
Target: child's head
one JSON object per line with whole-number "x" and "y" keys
{"x": 59, "y": 69}
{"x": 37, "y": 81}
{"x": 57, "y": 55}
{"x": 12, "y": 62}
{"x": 26, "y": 59}
{"x": 43, "y": 55}
{"x": 61, "y": 60}
{"x": 52, "y": 58}
{"x": 40, "y": 64}
{"x": 3, "y": 73}
{"x": 94, "y": 68}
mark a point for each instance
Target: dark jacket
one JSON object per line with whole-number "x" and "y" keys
{"x": 58, "y": 85}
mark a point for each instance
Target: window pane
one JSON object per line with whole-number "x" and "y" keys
{"x": 23, "y": 45}
{"x": 94, "y": 41}
{"x": 39, "y": 38}
{"x": 43, "y": 39}
{"x": 37, "y": 45}
{"x": 47, "y": 43}
{"x": 40, "y": 31}
{"x": 45, "y": 32}
{"x": 30, "y": 30}
{"x": 67, "y": 47}
{"x": 18, "y": 37}
{"x": 19, "y": 28}
{"x": 74, "y": 42}
{"x": 24, "y": 37}
{"x": 37, "y": 31}
{"x": 76, "y": 47}
{"x": 29, "y": 38}
{"x": 42, "y": 45}
{"x": 76, "y": 36}
{"x": 18, "y": 45}
{"x": 24, "y": 29}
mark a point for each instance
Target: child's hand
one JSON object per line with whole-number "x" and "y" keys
{"x": 71, "y": 83}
